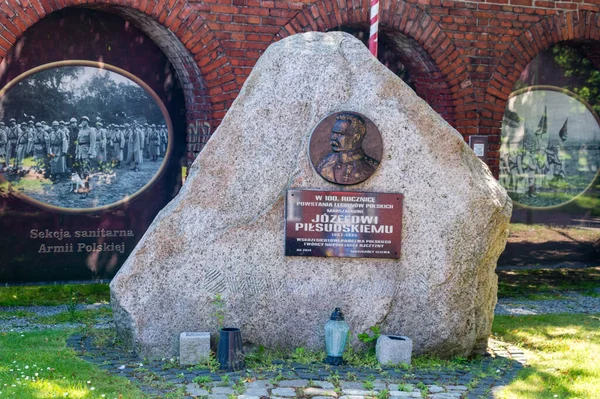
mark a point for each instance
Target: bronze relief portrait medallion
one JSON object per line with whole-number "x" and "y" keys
{"x": 345, "y": 148}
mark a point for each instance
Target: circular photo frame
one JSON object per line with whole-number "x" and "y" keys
{"x": 550, "y": 147}
{"x": 345, "y": 148}
{"x": 81, "y": 137}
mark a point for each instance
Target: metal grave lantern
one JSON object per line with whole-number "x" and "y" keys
{"x": 336, "y": 334}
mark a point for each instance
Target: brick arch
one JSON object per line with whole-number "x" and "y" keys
{"x": 419, "y": 34}
{"x": 200, "y": 61}
{"x": 518, "y": 54}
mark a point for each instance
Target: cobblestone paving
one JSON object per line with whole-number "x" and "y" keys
{"x": 567, "y": 302}
{"x": 285, "y": 380}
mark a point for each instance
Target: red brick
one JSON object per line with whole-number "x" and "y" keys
{"x": 488, "y": 42}
{"x": 224, "y": 9}
{"x": 526, "y": 3}
{"x": 586, "y": 7}
{"x": 38, "y": 8}
{"x": 566, "y": 6}
{"x": 32, "y": 15}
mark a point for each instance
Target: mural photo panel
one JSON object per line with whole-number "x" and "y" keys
{"x": 81, "y": 136}
{"x": 550, "y": 147}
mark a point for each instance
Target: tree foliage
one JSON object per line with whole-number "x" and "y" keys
{"x": 585, "y": 77}
{"x": 66, "y": 92}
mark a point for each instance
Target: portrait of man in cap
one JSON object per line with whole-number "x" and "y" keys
{"x": 347, "y": 163}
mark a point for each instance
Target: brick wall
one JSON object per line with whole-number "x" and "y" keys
{"x": 464, "y": 56}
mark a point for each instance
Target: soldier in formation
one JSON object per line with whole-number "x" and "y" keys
{"x": 115, "y": 142}
{"x": 40, "y": 145}
{"x": 13, "y": 133}
{"x": 101, "y": 139}
{"x": 58, "y": 146}
{"x": 66, "y": 146}
{"x": 135, "y": 146}
{"x": 155, "y": 141}
{"x": 24, "y": 144}
{"x": 85, "y": 150}
{"x": 73, "y": 131}
{"x": 3, "y": 143}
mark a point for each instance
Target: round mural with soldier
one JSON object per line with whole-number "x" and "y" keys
{"x": 550, "y": 146}
{"x": 81, "y": 136}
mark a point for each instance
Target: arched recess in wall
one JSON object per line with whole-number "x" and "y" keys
{"x": 411, "y": 44}
{"x": 124, "y": 196}
{"x": 547, "y": 116}
{"x": 581, "y": 29}
{"x": 200, "y": 62}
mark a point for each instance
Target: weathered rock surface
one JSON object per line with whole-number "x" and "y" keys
{"x": 224, "y": 231}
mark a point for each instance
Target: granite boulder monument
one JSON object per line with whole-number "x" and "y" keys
{"x": 224, "y": 233}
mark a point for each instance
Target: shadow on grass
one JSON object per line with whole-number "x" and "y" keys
{"x": 563, "y": 358}
{"x": 524, "y": 283}
{"x": 535, "y": 383}
{"x": 549, "y": 252}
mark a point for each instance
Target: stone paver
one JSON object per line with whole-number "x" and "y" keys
{"x": 222, "y": 390}
{"x": 357, "y": 392}
{"x": 446, "y": 395}
{"x": 435, "y": 389}
{"x": 257, "y": 392}
{"x": 457, "y": 388}
{"x": 323, "y": 384}
{"x": 351, "y": 384}
{"x": 292, "y": 383}
{"x": 404, "y": 394}
{"x": 194, "y": 389}
{"x": 259, "y": 384}
{"x": 312, "y": 381}
{"x": 319, "y": 392}
{"x": 285, "y": 392}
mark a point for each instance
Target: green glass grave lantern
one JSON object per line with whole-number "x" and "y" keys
{"x": 336, "y": 334}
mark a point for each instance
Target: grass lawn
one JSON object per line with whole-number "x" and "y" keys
{"x": 532, "y": 284}
{"x": 543, "y": 233}
{"x": 563, "y": 353}
{"x": 39, "y": 365}
{"x": 52, "y": 295}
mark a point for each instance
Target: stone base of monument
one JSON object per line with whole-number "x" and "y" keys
{"x": 194, "y": 347}
{"x": 393, "y": 349}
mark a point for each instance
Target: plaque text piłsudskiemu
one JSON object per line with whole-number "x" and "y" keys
{"x": 343, "y": 224}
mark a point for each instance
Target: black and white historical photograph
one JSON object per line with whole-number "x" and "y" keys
{"x": 550, "y": 146}
{"x": 80, "y": 136}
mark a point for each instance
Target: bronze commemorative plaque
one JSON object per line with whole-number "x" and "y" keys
{"x": 343, "y": 224}
{"x": 345, "y": 148}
